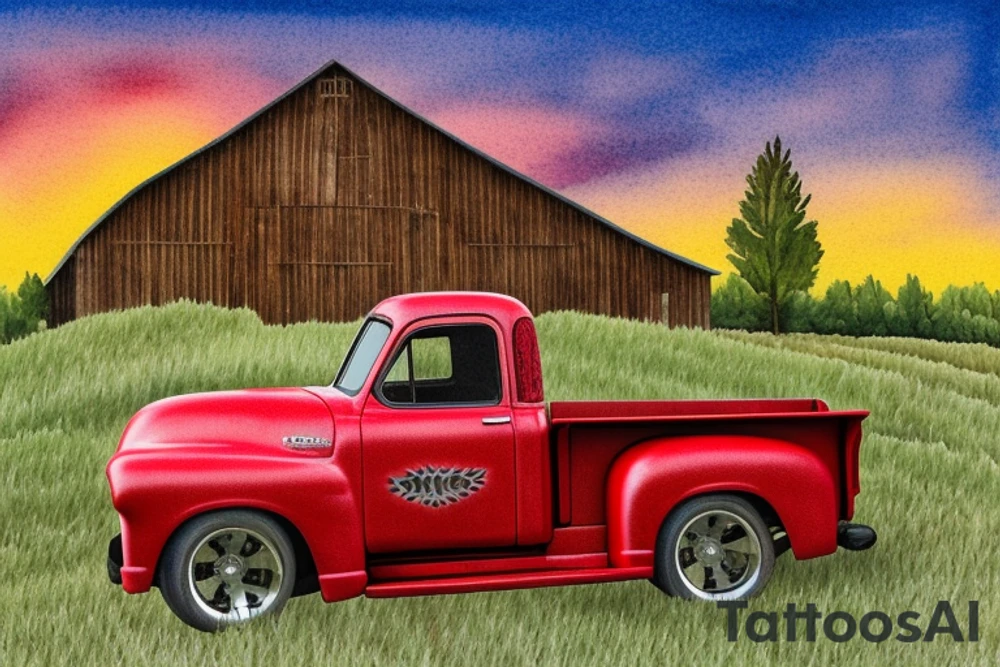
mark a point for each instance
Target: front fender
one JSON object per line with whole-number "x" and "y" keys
{"x": 647, "y": 481}
{"x": 155, "y": 494}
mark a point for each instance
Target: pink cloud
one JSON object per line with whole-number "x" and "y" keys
{"x": 133, "y": 77}
{"x": 534, "y": 140}
{"x": 204, "y": 87}
{"x": 61, "y": 106}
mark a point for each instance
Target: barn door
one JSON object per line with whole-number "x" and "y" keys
{"x": 333, "y": 263}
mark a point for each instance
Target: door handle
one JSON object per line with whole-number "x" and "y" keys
{"x": 493, "y": 421}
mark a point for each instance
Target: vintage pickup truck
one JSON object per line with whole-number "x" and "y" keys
{"x": 432, "y": 465}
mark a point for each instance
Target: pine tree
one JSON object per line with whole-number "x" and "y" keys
{"x": 30, "y": 304}
{"x": 837, "y": 313}
{"x": 914, "y": 309}
{"x": 34, "y": 300}
{"x": 799, "y": 313}
{"x": 24, "y": 311}
{"x": 952, "y": 321}
{"x": 871, "y": 299}
{"x": 774, "y": 249}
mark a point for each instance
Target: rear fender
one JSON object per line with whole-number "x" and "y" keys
{"x": 648, "y": 480}
{"x": 154, "y": 496}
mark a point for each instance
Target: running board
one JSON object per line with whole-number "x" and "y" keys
{"x": 504, "y": 582}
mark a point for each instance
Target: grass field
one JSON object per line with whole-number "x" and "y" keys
{"x": 930, "y": 481}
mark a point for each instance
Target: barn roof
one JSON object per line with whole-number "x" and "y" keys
{"x": 331, "y": 64}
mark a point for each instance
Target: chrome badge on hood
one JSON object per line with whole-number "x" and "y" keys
{"x": 305, "y": 442}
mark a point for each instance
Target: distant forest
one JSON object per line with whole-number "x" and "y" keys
{"x": 960, "y": 314}
{"x": 23, "y": 312}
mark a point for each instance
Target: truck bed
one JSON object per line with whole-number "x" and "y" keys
{"x": 588, "y": 435}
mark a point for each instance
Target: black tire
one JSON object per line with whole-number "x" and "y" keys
{"x": 260, "y": 570}
{"x": 739, "y": 573}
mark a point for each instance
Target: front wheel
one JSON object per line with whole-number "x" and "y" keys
{"x": 713, "y": 548}
{"x": 227, "y": 568}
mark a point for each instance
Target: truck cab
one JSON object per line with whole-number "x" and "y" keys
{"x": 432, "y": 464}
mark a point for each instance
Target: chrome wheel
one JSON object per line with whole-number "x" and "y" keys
{"x": 718, "y": 555}
{"x": 235, "y": 574}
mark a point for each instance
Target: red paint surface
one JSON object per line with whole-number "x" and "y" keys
{"x": 342, "y": 585}
{"x": 611, "y": 470}
{"x": 649, "y": 479}
{"x": 565, "y": 478}
{"x": 503, "y": 582}
{"x": 533, "y": 467}
{"x": 443, "y": 568}
{"x": 442, "y": 438}
{"x": 593, "y": 411}
{"x": 578, "y": 540}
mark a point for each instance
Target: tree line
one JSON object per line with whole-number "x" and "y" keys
{"x": 23, "y": 312}
{"x": 969, "y": 314}
{"x": 776, "y": 253}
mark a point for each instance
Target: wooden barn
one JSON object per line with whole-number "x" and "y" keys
{"x": 335, "y": 196}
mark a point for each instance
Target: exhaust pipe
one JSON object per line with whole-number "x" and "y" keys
{"x": 855, "y": 536}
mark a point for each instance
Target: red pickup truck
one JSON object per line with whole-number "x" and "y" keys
{"x": 432, "y": 465}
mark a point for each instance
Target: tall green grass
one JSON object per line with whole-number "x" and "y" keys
{"x": 929, "y": 473}
{"x": 977, "y": 357}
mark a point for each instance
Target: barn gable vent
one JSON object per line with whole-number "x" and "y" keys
{"x": 337, "y": 86}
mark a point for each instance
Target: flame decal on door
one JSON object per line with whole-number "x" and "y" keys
{"x": 437, "y": 487}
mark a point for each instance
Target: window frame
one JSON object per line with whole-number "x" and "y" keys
{"x": 390, "y": 360}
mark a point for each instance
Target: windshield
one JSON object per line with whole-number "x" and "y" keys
{"x": 360, "y": 359}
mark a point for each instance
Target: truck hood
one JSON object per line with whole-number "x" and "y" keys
{"x": 269, "y": 422}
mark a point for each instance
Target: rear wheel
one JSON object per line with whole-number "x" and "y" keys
{"x": 227, "y": 568}
{"x": 714, "y": 548}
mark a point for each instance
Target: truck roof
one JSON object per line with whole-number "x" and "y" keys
{"x": 409, "y": 307}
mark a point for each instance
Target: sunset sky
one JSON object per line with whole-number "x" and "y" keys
{"x": 651, "y": 114}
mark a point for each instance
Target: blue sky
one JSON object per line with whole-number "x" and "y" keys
{"x": 650, "y": 113}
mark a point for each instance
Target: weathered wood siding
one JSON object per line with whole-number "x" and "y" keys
{"x": 335, "y": 198}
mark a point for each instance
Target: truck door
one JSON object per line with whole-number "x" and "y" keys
{"x": 438, "y": 444}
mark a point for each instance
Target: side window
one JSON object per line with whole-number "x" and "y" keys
{"x": 445, "y": 365}
{"x": 431, "y": 358}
